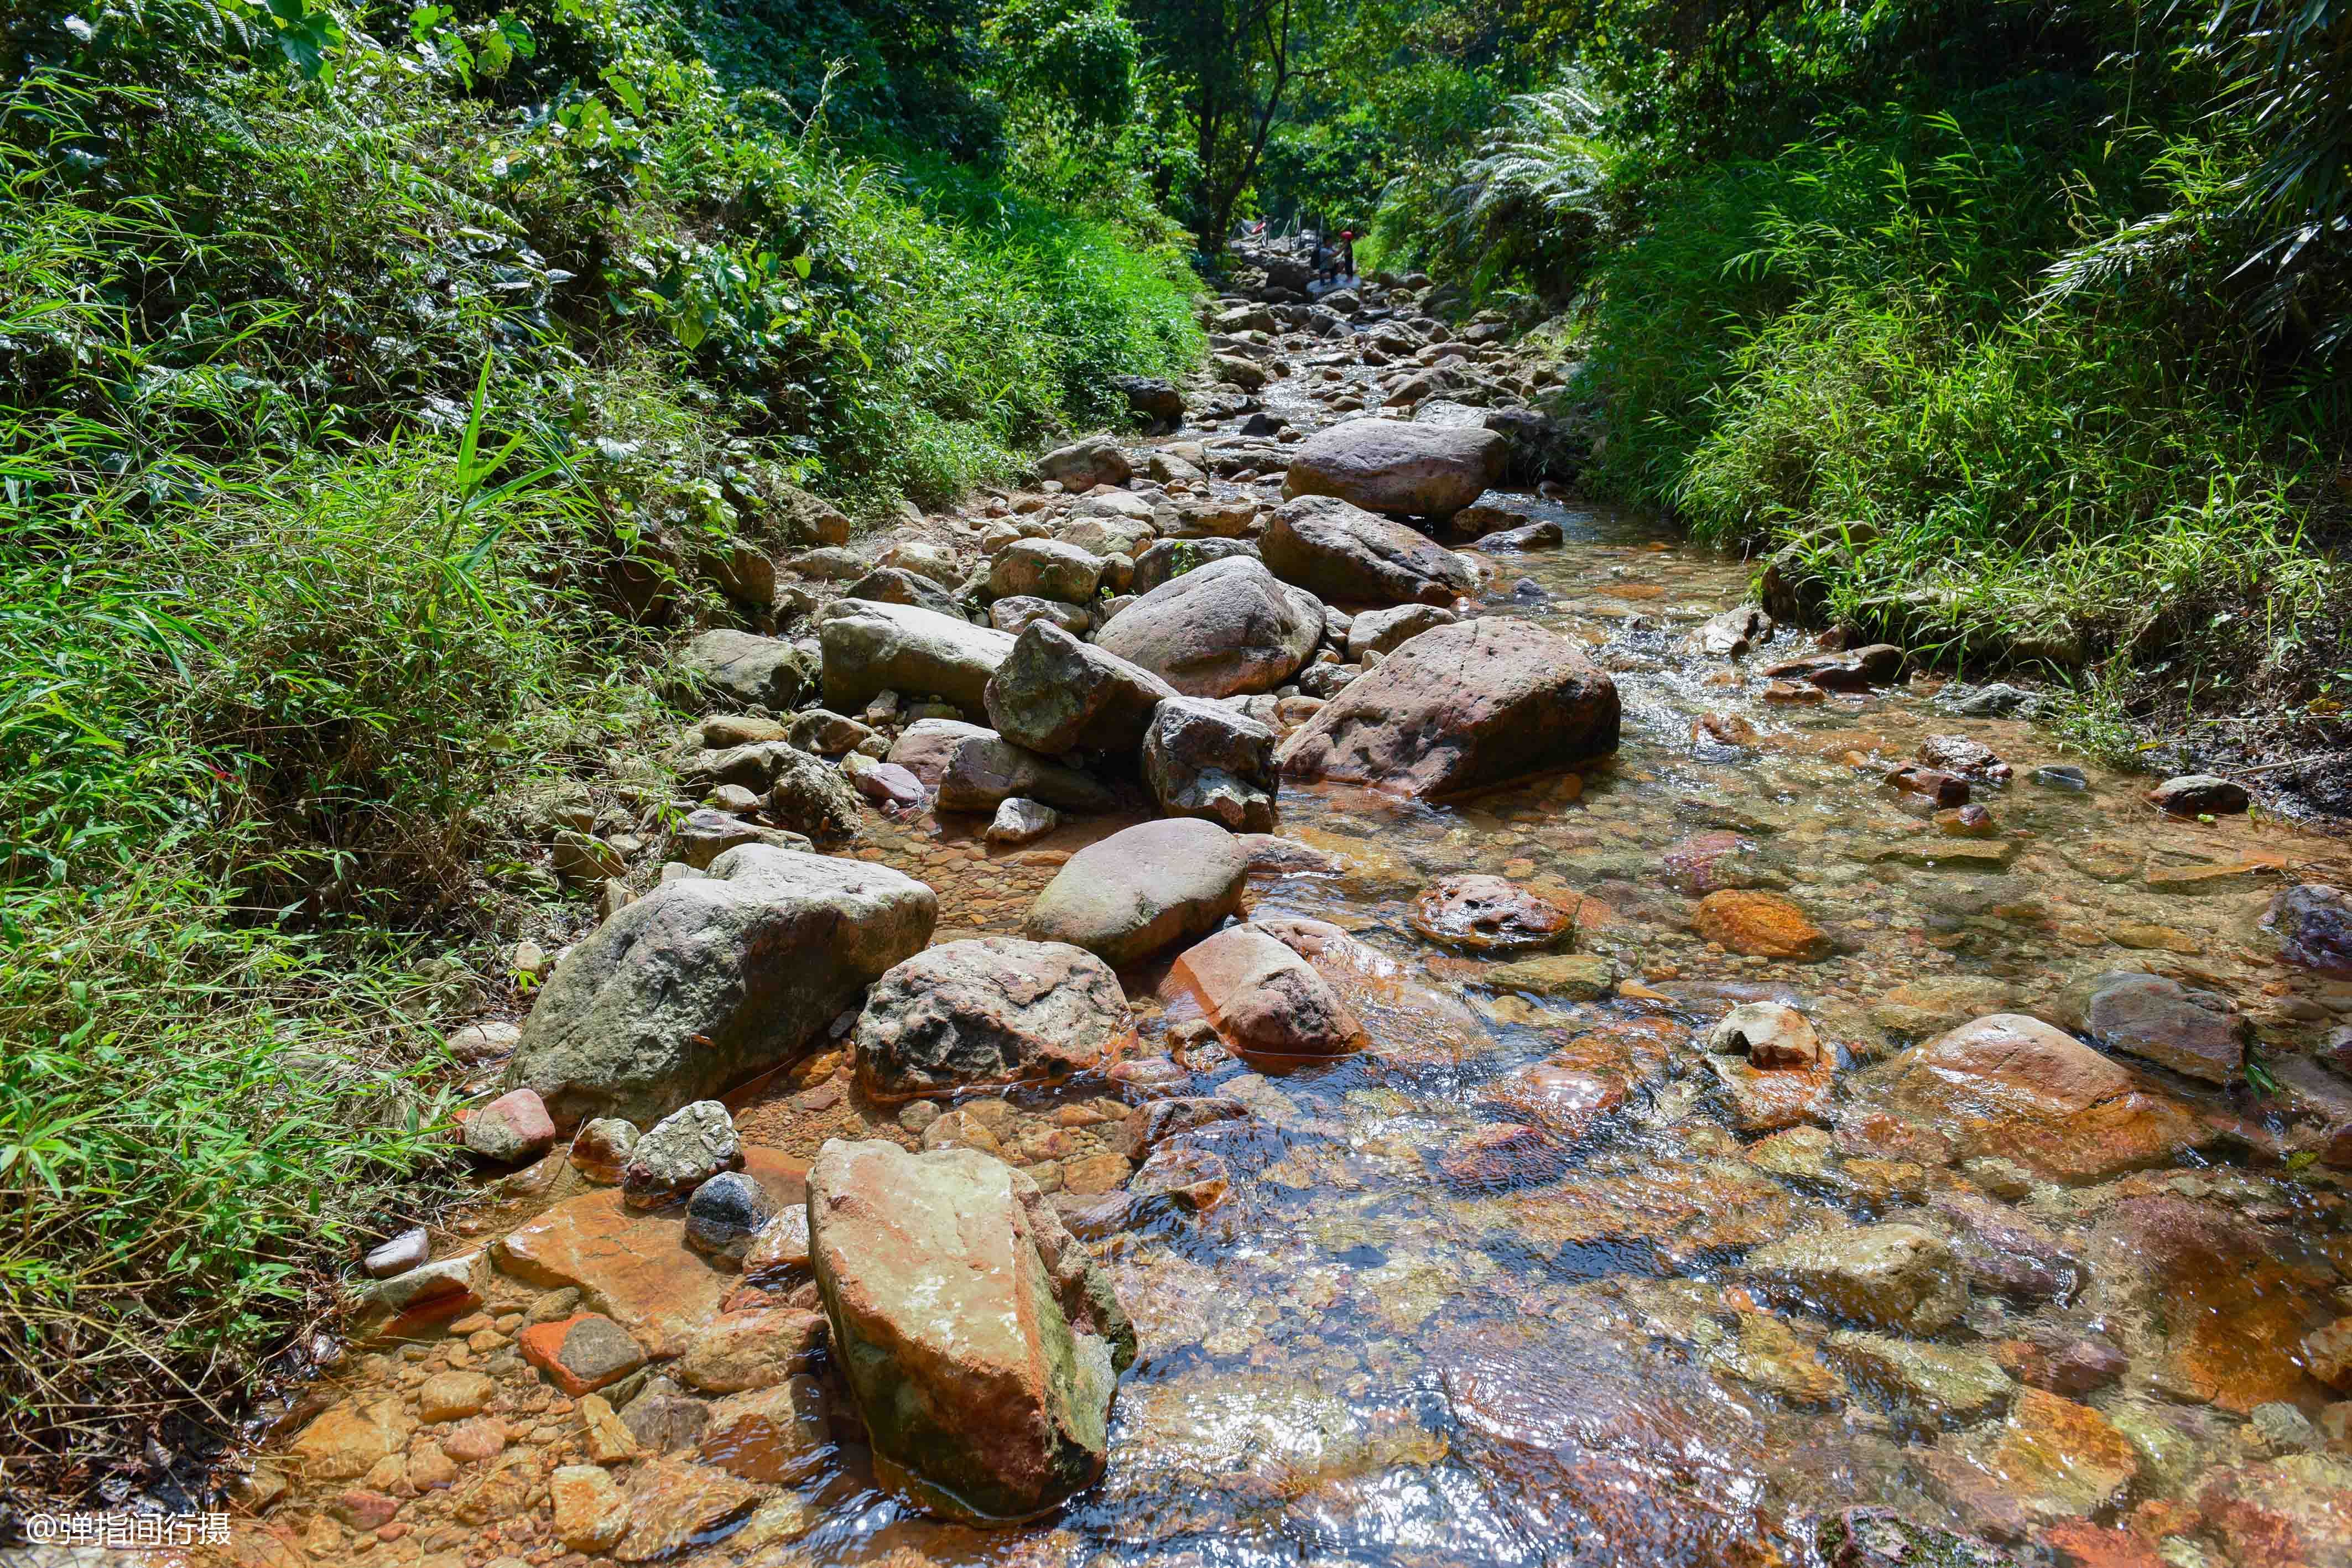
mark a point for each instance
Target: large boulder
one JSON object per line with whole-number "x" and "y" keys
{"x": 987, "y": 770}
{"x": 896, "y": 585}
{"x": 1342, "y": 552}
{"x": 1227, "y": 628}
{"x": 1172, "y": 558}
{"x": 1054, "y": 694}
{"x": 707, "y": 980}
{"x": 1460, "y": 706}
{"x": 1125, "y": 897}
{"x": 1152, "y": 399}
{"x": 767, "y": 672}
{"x": 993, "y": 1010}
{"x": 2013, "y": 1087}
{"x": 872, "y": 648}
{"x": 1389, "y": 465}
{"x": 981, "y": 1343}
{"x": 1046, "y": 568}
{"x": 1083, "y": 464}
{"x": 930, "y": 745}
{"x": 1204, "y": 759}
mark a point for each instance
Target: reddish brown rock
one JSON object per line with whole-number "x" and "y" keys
{"x": 1709, "y": 863}
{"x": 2229, "y": 1316}
{"x": 1768, "y": 1099}
{"x": 2079, "y": 1543}
{"x": 1265, "y": 1000}
{"x": 755, "y": 1349}
{"x": 774, "y": 1433}
{"x": 2291, "y": 1513}
{"x": 1936, "y": 787}
{"x": 980, "y": 1342}
{"x": 583, "y": 1353}
{"x": 635, "y": 1268}
{"x": 1501, "y": 1156}
{"x": 348, "y": 1440}
{"x": 1460, "y": 706}
{"x": 1560, "y": 1100}
{"x": 671, "y": 1503}
{"x": 1760, "y": 925}
{"x": 1490, "y": 915}
{"x": 2051, "y": 1459}
{"x": 2012, "y": 1086}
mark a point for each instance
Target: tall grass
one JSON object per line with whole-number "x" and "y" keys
{"x": 1841, "y": 355}
{"x": 339, "y": 365}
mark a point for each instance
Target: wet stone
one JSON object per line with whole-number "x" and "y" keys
{"x": 725, "y": 1213}
{"x": 1491, "y": 915}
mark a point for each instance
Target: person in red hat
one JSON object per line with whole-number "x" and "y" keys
{"x": 1347, "y": 252}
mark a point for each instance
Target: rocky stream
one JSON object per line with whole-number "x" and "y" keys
{"x": 1183, "y": 1021}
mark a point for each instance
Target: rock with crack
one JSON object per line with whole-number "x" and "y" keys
{"x": 1390, "y": 466}
{"x": 1461, "y": 707}
{"x": 1265, "y": 1002}
{"x": 1054, "y": 694}
{"x": 742, "y": 668}
{"x": 2015, "y": 1087}
{"x": 709, "y": 980}
{"x": 1227, "y": 628}
{"x": 1209, "y": 759}
{"x": 1340, "y": 552}
{"x": 985, "y": 770}
{"x": 871, "y": 648}
{"x": 981, "y": 1343}
{"x": 990, "y": 1011}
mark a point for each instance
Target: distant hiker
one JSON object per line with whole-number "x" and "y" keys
{"x": 1347, "y": 252}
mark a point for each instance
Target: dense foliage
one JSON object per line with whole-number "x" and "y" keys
{"x": 2020, "y": 329}
{"x": 351, "y": 355}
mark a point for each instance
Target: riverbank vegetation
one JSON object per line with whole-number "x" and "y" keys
{"x": 370, "y": 375}
{"x": 2015, "y": 332}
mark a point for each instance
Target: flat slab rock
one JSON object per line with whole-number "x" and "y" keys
{"x": 634, "y": 1267}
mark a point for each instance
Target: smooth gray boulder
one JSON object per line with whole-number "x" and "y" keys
{"x": 1386, "y": 630}
{"x": 768, "y": 672}
{"x": 1229, "y": 627}
{"x": 896, "y": 585}
{"x": 872, "y": 648}
{"x": 707, "y": 980}
{"x": 1054, "y": 694}
{"x": 1390, "y": 466}
{"x": 1339, "y": 550}
{"x": 1144, "y": 888}
{"x": 1083, "y": 464}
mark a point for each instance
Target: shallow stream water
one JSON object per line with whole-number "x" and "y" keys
{"x": 1382, "y": 1348}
